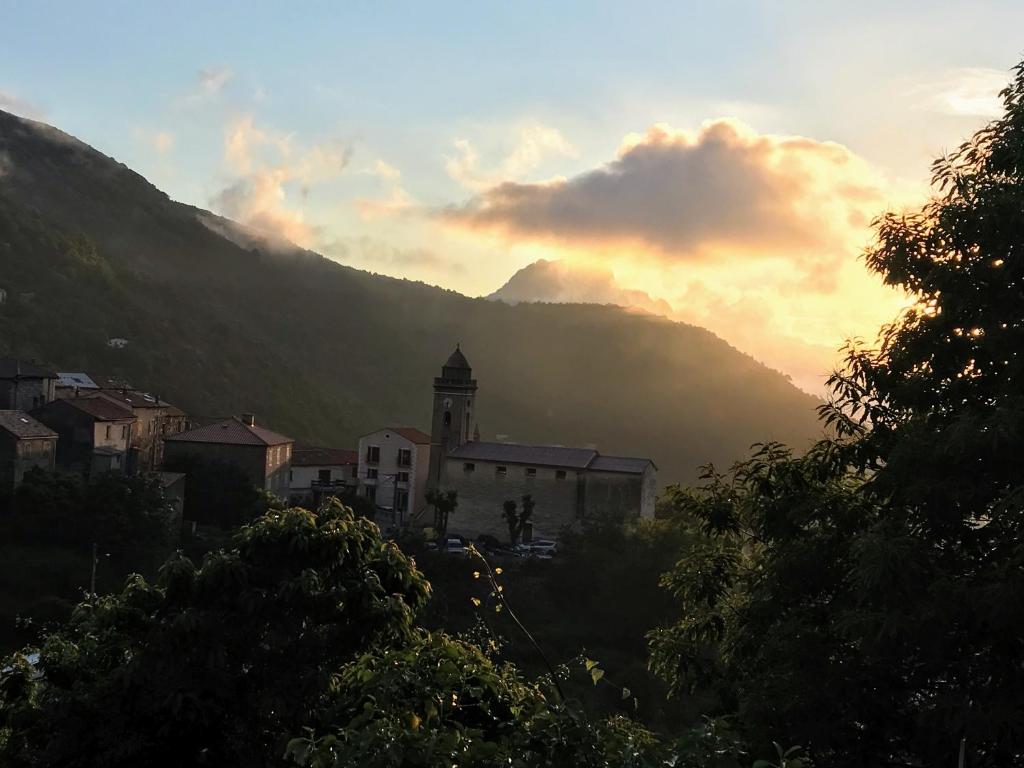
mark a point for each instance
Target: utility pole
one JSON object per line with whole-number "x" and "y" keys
{"x": 95, "y": 560}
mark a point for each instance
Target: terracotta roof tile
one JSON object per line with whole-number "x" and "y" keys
{"x": 230, "y": 432}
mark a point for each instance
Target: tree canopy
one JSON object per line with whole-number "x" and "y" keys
{"x": 865, "y": 599}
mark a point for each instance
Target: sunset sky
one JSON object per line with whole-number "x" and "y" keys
{"x": 725, "y": 159}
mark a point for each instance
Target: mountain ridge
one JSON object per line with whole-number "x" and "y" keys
{"x": 326, "y": 352}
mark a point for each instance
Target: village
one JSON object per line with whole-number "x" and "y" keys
{"x": 90, "y": 425}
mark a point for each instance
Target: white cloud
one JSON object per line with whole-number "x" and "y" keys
{"x": 966, "y": 92}
{"x": 535, "y": 142}
{"x": 267, "y": 164}
{"x": 210, "y": 82}
{"x": 11, "y": 102}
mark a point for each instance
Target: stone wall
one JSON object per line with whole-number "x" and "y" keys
{"x": 482, "y": 491}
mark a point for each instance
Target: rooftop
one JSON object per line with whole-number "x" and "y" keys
{"x": 100, "y": 408}
{"x": 539, "y": 455}
{"x": 11, "y": 367}
{"x": 230, "y": 432}
{"x": 72, "y": 379}
{"x": 413, "y": 435}
{"x": 625, "y": 464}
{"x": 323, "y": 457}
{"x": 550, "y": 456}
{"x": 23, "y": 426}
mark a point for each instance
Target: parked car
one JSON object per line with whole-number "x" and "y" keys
{"x": 455, "y": 546}
{"x": 544, "y": 547}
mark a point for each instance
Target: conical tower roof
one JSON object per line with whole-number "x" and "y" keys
{"x": 458, "y": 360}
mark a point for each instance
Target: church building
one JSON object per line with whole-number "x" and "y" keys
{"x": 567, "y": 484}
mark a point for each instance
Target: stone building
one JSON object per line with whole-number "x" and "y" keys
{"x": 155, "y": 421}
{"x": 567, "y": 484}
{"x": 25, "y": 444}
{"x": 262, "y": 454}
{"x": 393, "y": 469}
{"x": 95, "y": 433}
{"x": 24, "y": 385}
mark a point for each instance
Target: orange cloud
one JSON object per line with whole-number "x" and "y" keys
{"x": 684, "y": 196}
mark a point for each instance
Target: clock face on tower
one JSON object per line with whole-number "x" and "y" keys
{"x": 447, "y": 402}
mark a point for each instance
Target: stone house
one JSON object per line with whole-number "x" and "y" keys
{"x": 393, "y": 467}
{"x": 25, "y": 385}
{"x": 319, "y": 472}
{"x": 155, "y": 420}
{"x": 567, "y": 484}
{"x": 25, "y": 444}
{"x": 262, "y": 454}
{"x": 95, "y": 433}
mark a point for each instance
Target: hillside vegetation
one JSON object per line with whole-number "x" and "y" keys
{"x": 324, "y": 352}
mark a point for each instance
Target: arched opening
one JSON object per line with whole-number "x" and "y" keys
{"x": 447, "y": 418}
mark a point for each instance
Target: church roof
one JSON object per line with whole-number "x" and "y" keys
{"x": 457, "y": 359}
{"x": 624, "y": 464}
{"x": 550, "y": 456}
{"x": 539, "y": 455}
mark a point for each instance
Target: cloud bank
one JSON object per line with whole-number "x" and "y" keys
{"x": 682, "y": 196}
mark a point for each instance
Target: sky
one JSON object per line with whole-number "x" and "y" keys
{"x": 720, "y": 163}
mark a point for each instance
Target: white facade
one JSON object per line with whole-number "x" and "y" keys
{"x": 306, "y": 479}
{"x": 393, "y": 468}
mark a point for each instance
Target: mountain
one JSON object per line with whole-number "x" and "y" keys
{"x": 220, "y": 321}
{"x": 559, "y": 283}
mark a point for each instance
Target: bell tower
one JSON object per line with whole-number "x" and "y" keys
{"x": 454, "y": 404}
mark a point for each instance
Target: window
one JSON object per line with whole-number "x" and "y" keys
{"x": 373, "y": 454}
{"x": 108, "y": 431}
{"x": 371, "y": 473}
{"x": 531, "y": 471}
{"x": 401, "y": 499}
{"x": 324, "y": 475}
{"x": 371, "y": 492}
{"x": 447, "y": 418}
{"x": 468, "y": 466}
{"x": 403, "y": 477}
{"x": 355, "y": 471}
{"x": 559, "y": 474}
{"x": 291, "y": 476}
{"x": 500, "y": 471}
{"x": 404, "y": 457}
{"x": 124, "y": 431}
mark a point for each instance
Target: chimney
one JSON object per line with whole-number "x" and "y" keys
{"x": 249, "y": 419}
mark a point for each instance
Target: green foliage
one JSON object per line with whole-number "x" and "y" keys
{"x": 440, "y": 702}
{"x": 864, "y": 599}
{"x": 217, "y": 664}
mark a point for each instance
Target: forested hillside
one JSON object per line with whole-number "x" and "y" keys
{"x": 89, "y": 250}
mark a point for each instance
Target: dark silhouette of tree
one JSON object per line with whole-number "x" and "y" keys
{"x": 516, "y": 518}
{"x": 218, "y": 664}
{"x": 864, "y": 599}
{"x": 444, "y": 503}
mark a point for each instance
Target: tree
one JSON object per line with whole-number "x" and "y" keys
{"x": 863, "y": 599}
{"x": 212, "y": 665}
{"x": 441, "y": 701}
{"x": 444, "y": 503}
{"x": 515, "y": 519}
